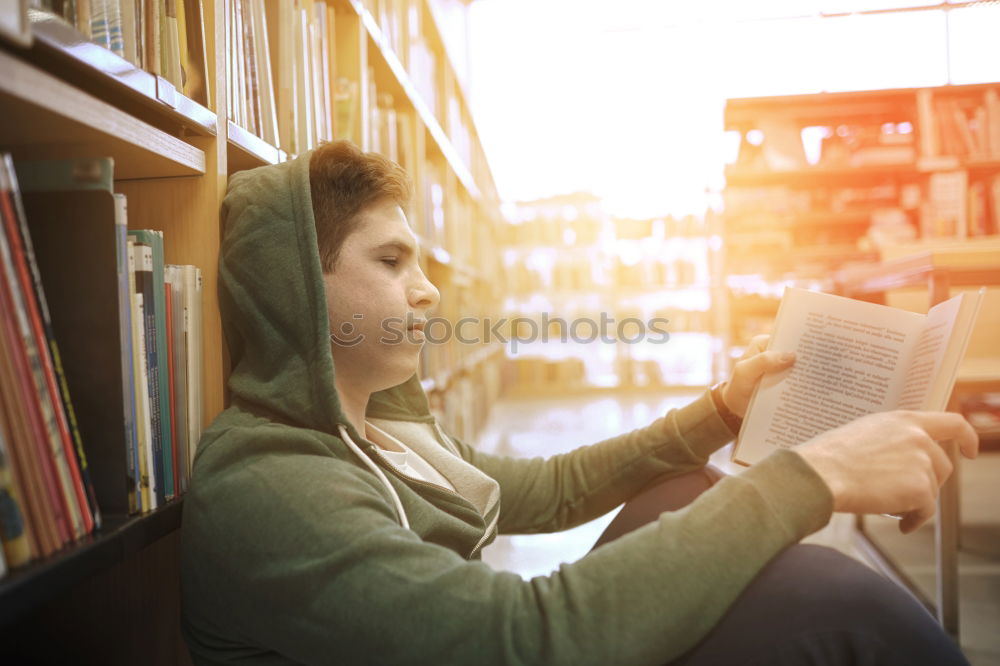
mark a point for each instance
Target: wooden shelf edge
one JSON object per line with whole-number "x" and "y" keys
{"x": 27, "y": 588}
{"x": 140, "y": 150}
{"x": 737, "y": 176}
{"x": 402, "y": 77}
{"x": 744, "y": 111}
{"x": 253, "y": 151}
{"x": 63, "y": 41}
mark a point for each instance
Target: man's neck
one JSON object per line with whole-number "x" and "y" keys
{"x": 354, "y": 403}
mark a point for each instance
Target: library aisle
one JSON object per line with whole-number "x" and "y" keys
{"x": 611, "y": 204}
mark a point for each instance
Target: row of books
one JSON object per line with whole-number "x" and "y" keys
{"x": 964, "y": 127}
{"x": 949, "y": 128}
{"x": 784, "y": 200}
{"x": 958, "y": 206}
{"x": 586, "y": 274}
{"x": 584, "y": 231}
{"x": 450, "y": 219}
{"x": 279, "y": 67}
{"x": 163, "y": 37}
{"x": 101, "y": 344}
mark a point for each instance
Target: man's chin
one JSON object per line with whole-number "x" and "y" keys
{"x": 399, "y": 372}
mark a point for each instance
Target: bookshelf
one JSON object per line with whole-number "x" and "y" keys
{"x": 63, "y": 96}
{"x": 572, "y": 266}
{"x": 831, "y": 181}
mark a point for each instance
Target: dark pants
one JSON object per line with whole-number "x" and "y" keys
{"x": 808, "y": 605}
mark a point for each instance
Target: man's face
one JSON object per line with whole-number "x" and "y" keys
{"x": 377, "y": 297}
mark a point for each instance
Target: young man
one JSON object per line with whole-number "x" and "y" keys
{"x": 332, "y": 520}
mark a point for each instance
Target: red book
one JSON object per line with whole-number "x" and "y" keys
{"x": 34, "y": 317}
{"x": 43, "y": 506}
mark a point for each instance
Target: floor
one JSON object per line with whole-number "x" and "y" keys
{"x": 547, "y": 426}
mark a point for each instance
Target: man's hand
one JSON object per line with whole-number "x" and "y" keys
{"x": 753, "y": 365}
{"x": 890, "y": 462}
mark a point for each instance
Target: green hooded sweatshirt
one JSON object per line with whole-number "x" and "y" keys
{"x": 302, "y": 545}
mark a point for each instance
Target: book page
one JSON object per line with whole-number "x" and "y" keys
{"x": 925, "y": 361}
{"x": 939, "y": 351}
{"x": 847, "y": 365}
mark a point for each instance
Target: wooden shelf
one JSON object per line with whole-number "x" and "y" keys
{"x": 35, "y": 584}
{"x": 44, "y": 117}
{"x": 245, "y": 150}
{"x": 401, "y": 79}
{"x": 739, "y": 176}
{"x": 822, "y": 108}
{"x": 751, "y": 222}
{"x": 874, "y": 106}
{"x": 64, "y": 49}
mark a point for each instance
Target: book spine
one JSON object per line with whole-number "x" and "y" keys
{"x": 140, "y": 398}
{"x": 250, "y": 59}
{"x": 126, "y": 287}
{"x": 149, "y": 480}
{"x": 13, "y": 529}
{"x": 130, "y": 46}
{"x": 144, "y": 285}
{"x": 180, "y": 376}
{"x": 192, "y": 299}
{"x": 163, "y": 373}
{"x": 169, "y": 302}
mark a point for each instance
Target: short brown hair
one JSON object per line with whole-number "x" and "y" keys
{"x": 344, "y": 181}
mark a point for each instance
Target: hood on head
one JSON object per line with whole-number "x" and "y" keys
{"x": 273, "y": 305}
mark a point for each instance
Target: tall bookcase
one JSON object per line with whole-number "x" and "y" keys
{"x": 113, "y": 597}
{"x": 828, "y": 181}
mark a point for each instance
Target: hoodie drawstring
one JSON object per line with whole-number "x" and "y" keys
{"x": 378, "y": 472}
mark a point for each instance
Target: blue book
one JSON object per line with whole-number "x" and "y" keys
{"x": 159, "y": 372}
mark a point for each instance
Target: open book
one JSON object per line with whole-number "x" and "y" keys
{"x": 852, "y": 358}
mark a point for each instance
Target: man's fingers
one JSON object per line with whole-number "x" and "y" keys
{"x": 758, "y": 343}
{"x": 914, "y": 519}
{"x": 940, "y": 461}
{"x": 769, "y": 361}
{"x": 943, "y": 426}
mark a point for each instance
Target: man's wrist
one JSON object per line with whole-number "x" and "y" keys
{"x": 732, "y": 420}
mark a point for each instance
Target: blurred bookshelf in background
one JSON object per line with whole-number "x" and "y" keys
{"x": 602, "y": 303}
{"x": 832, "y": 182}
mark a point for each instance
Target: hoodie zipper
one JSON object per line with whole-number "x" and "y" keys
{"x": 489, "y": 529}
{"x": 372, "y": 449}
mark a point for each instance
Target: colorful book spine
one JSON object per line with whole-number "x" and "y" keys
{"x": 154, "y": 239}
{"x": 140, "y": 397}
{"x": 151, "y": 368}
{"x": 169, "y": 302}
{"x": 125, "y": 334}
{"x": 61, "y": 419}
{"x": 193, "y": 334}
{"x": 181, "y": 430}
{"x": 13, "y": 529}
{"x": 41, "y": 412}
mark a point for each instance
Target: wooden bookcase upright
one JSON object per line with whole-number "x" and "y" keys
{"x": 113, "y": 597}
